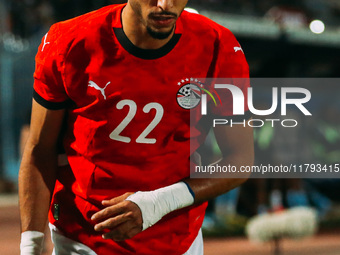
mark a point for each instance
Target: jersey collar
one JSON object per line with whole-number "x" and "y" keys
{"x": 145, "y": 53}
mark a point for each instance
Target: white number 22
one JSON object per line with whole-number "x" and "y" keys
{"x": 115, "y": 135}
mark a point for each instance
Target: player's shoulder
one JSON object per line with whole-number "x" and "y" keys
{"x": 199, "y": 25}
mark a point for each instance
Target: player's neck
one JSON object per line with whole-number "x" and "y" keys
{"x": 137, "y": 32}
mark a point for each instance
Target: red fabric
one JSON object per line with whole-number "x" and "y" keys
{"x": 86, "y": 49}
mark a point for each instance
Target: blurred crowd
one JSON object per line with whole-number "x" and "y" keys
{"x": 26, "y": 17}
{"x": 328, "y": 9}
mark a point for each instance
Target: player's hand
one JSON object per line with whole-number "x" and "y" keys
{"x": 123, "y": 218}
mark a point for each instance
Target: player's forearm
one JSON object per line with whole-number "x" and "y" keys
{"x": 36, "y": 182}
{"x": 153, "y": 205}
{"x": 208, "y": 188}
{"x": 157, "y": 203}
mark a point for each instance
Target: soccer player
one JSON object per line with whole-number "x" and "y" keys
{"x": 106, "y": 85}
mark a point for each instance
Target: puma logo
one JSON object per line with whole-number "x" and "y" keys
{"x": 102, "y": 90}
{"x": 237, "y": 49}
{"x": 45, "y": 43}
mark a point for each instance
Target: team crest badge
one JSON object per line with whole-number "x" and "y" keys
{"x": 189, "y": 96}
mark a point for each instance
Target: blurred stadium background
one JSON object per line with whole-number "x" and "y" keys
{"x": 281, "y": 38}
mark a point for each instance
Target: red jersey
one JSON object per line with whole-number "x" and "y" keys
{"x": 126, "y": 130}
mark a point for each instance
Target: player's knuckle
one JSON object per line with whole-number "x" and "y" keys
{"x": 111, "y": 222}
{"x": 111, "y": 211}
{"x": 126, "y": 205}
{"x": 127, "y": 202}
{"x": 105, "y": 212}
{"x": 130, "y": 215}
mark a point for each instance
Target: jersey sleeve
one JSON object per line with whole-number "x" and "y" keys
{"x": 49, "y": 90}
{"x": 232, "y": 68}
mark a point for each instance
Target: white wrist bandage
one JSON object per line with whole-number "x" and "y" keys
{"x": 31, "y": 243}
{"x": 157, "y": 203}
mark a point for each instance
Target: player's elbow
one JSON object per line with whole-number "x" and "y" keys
{"x": 38, "y": 155}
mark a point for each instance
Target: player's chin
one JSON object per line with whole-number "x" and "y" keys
{"x": 160, "y": 33}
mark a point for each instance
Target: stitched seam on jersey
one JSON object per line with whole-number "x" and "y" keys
{"x": 62, "y": 64}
